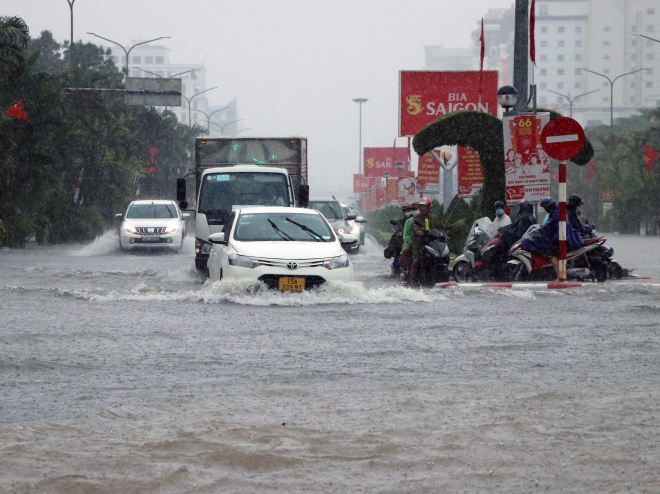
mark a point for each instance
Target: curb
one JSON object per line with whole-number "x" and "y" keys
{"x": 513, "y": 286}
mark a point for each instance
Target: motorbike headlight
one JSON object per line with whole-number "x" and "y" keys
{"x": 242, "y": 261}
{"x": 129, "y": 229}
{"x": 337, "y": 262}
{"x": 173, "y": 228}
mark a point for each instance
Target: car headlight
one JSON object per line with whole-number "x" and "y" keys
{"x": 337, "y": 262}
{"x": 242, "y": 261}
{"x": 173, "y": 228}
{"x": 129, "y": 229}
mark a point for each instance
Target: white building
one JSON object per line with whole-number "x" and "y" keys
{"x": 598, "y": 35}
{"x": 151, "y": 60}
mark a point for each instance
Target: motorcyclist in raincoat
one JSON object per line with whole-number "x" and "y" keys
{"x": 572, "y": 215}
{"x": 546, "y": 243}
{"x": 422, "y": 223}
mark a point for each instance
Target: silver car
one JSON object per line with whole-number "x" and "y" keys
{"x": 152, "y": 224}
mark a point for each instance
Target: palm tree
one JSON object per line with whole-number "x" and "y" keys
{"x": 14, "y": 37}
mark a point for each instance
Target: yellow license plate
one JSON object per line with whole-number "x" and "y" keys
{"x": 292, "y": 284}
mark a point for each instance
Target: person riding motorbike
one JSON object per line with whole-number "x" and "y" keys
{"x": 572, "y": 215}
{"x": 547, "y": 242}
{"x": 501, "y": 218}
{"x": 512, "y": 233}
{"x": 422, "y": 223}
{"x": 398, "y": 229}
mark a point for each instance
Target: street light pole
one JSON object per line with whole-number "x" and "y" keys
{"x": 189, "y": 100}
{"x": 70, "y": 2}
{"x": 129, "y": 50}
{"x": 652, "y": 39}
{"x": 360, "y": 101}
{"x": 242, "y": 130}
{"x": 570, "y": 100}
{"x": 612, "y": 81}
{"x": 160, "y": 76}
{"x": 208, "y": 117}
{"x": 222, "y": 127}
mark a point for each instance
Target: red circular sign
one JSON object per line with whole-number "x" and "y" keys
{"x": 562, "y": 138}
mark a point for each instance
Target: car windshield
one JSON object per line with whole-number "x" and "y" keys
{"x": 140, "y": 211}
{"x": 274, "y": 227}
{"x": 230, "y": 191}
{"x": 329, "y": 209}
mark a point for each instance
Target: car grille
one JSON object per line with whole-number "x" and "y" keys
{"x": 273, "y": 280}
{"x": 145, "y": 230}
{"x": 283, "y": 263}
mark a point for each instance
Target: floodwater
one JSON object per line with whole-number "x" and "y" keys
{"x": 127, "y": 373}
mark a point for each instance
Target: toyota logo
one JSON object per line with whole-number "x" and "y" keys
{"x": 292, "y": 265}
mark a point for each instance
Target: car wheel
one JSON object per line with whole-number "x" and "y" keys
{"x": 461, "y": 271}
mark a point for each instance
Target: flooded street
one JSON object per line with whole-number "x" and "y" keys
{"x": 128, "y": 373}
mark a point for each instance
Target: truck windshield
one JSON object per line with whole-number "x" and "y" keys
{"x": 329, "y": 209}
{"x": 138, "y": 211}
{"x": 280, "y": 227}
{"x": 224, "y": 192}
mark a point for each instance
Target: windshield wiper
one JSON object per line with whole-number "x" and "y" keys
{"x": 307, "y": 229}
{"x": 279, "y": 232}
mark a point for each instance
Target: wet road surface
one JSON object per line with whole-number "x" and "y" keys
{"x": 128, "y": 373}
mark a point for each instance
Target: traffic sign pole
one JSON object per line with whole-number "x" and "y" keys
{"x": 562, "y": 221}
{"x": 562, "y": 139}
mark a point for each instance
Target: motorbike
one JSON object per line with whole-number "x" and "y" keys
{"x": 481, "y": 232}
{"x": 581, "y": 263}
{"x": 434, "y": 267}
{"x": 605, "y": 253}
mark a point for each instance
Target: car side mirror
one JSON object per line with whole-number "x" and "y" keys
{"x": 360, "y": 219}
{"x": 186, "y": 216}
{"x": 181, "y": 189}
{"x": 217, "y": 238}
{"x": 303, "y": 195}
{"x": 119, "y": 216}
{"x": 351, "y": 216}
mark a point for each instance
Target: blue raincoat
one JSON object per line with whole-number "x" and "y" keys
{"x": 545, "y": 240}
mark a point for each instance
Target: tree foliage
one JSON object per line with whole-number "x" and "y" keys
{"x": 84, "y": 155}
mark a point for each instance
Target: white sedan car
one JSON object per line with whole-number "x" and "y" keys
{"x": 152, "y": 224}
{"x": 290, "y": 249}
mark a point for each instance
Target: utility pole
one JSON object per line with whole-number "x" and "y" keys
{"x": 521, "y": 54}
{"x": 360, "y": 101}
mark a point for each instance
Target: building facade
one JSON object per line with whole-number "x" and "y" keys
{"x": 574, "y": 37}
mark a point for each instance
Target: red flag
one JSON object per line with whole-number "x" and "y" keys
{"x": 591, "y": 170}
{"x": 532, "y": 23}
{"x": 482, "y": 38}
{"x": 651, "y": 155}
{"x": 16, "y": 111}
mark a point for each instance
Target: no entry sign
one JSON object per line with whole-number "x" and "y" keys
{"x": 562, "y": 138}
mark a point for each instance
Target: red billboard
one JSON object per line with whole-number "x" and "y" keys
{"x": 360, "y": 183}
{"x": 425, "y": 95}
{"x": 381, "y": 162}
{"x": 470, "y": 172}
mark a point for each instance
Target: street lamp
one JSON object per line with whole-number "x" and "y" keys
{"x": 70, "y": 2}
{"x": 570, "y": 100}
{"x": 652, "y": 39}
{"x": 161, "y": 77}
{"x": 129, "y": 50}
{"x": 208, "y": 117}
{"x": 507, "y": 97}
{"x": 222, "y": 127}
{"x": 189, "y": 100}
{"x": 242, "y": 130}
{"x": 612, "y": 81}
{"x": 360, "y": 101}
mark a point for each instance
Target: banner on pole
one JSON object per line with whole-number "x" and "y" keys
{"x": 470, "y": 172}
{"x": 526, "y": 165}
{"x": 385, "y": 162}
{"x": 425, "y": 95}
{"x": 428, "y": 175}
